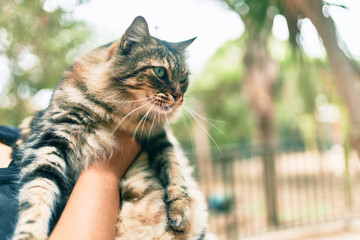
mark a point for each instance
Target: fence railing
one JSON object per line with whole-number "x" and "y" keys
{"x": 310, "y": 186}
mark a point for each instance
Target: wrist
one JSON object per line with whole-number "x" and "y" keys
{"x": 102, "y": 170}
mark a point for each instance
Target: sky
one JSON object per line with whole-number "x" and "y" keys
{"x": 171, "y": 20}
{"x": 210, "y": 21}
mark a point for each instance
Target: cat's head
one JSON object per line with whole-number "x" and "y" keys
{"x": 150, "y": 73}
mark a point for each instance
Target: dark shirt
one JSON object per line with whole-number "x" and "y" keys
{"x": 8, "y": 186}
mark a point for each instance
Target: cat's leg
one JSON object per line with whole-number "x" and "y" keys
{"x": 44, "y": 183}
{"x": 163, "y": 158}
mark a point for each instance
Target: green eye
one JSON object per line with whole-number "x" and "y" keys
{"x": 160, "y": 72}
{"x": 183, "y": 78}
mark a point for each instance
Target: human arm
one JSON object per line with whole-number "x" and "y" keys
{"x": 5, "y": 152}
{"x": 92, "y": 209}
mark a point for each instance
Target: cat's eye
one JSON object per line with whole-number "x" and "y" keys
{"x": 160, "y": 72}
{"x": 183, "y": 78}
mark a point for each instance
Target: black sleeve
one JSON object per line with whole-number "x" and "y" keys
{"x": 8, "y": 187}
{"x": 9, "y": 135}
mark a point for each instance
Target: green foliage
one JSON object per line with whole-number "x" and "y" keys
{"x": 36, "y": 46}
{"x": 219, "y": 89}
{"x": 301, "y": 81}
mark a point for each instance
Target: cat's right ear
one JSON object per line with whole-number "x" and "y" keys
{"x": 138, "y": 32}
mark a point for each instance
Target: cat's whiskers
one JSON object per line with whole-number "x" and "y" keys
{"x": 152, "y": 124}
{"x": 203, "y": 128}
{"x": 167, "y": 105}
{"x": 205, "y": 119}
{"x": 142, "y": 128}
{"x": 195, "y": 100}
{"x": 159, "y": 120}
{"x": 143, "y": 119}
{"x": 127, "y": 115}
{"x": 185, "y": 123}
{"x": 189, "y": 131}
{"x": 167, "y": 120}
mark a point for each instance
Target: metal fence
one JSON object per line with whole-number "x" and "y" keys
{"x": 310, "y": 186}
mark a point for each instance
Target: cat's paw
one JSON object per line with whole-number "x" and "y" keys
{"x": 27, "y": 236}
{"x": 29, "y": 231}
{"x": 178, "y": 210}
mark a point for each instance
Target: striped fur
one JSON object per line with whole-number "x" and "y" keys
{"x": 142, "y": 192}
{"x": 113, "y": 87}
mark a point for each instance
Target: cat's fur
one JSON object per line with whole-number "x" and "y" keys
{"x": 114, "y": 86}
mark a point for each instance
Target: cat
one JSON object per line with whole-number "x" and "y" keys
{"x": 134, "y": 84}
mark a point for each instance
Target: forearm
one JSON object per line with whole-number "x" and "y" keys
{"x": 92, "y": 210}
{"x": 93, "y": 206}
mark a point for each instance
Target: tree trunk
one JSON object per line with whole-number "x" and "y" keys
{"x": 345, "y": 72}
{"x": 261, "y": 71}
{"x": 260, "y": 75}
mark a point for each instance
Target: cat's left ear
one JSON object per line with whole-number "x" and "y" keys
{"x": 138, "y": 32}
{"x": 186, "y": 43}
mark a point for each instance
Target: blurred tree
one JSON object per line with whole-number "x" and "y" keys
{"x": 346, "y": 71}
{"x": 257, "y": 16}
{"x": 38, "y": 40}
{"x": 261, "y": 71}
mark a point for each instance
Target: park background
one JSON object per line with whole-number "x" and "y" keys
{"x": 271, "y": 118}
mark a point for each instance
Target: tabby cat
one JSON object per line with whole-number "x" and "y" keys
{"x": 134, "y": 84}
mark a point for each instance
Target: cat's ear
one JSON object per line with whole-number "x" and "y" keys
{"x": 138, "y": 32}
{"x": 186, "y": 43}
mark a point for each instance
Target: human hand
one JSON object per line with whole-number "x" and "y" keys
{"x": 121, "y": 158}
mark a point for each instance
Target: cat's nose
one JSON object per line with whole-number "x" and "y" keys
{"x": 176, "y": 93}
{"x": 176, "y": 96}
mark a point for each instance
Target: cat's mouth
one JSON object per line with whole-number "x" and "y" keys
{"x": 166, "y": 102}
{"x": 165, "y": 108}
